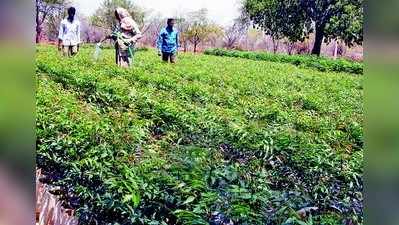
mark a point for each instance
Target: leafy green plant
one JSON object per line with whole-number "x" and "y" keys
{"x": 307, "y": 61}
{"x": 159, "y": 144}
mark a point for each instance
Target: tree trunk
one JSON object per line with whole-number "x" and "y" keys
{"x": 275, "y": 45}
{"x": 38, "y": 25}
{"x": 336, "y": 50}
{"x": 290, "y": 48}
{"x": 318, "y": 39}
{"x": 38, "y": 34}
{"x": 195, "y": 47}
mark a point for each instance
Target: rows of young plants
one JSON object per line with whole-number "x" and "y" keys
{"x": 108, "y": 45}
{"x": 308, "y": 61}
{"x": 206, "y": 140}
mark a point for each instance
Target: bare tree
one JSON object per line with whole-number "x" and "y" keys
{"x": 303, "y": 47}
{"x": 45, "y": 8}
{"x": 52, "y": 25}
{"x": 151, "y": 29}
{"x": 233, "y": 34}
{"x": 93, "y": 34}
{"x": 290, "y": 46}
{"x": 86, "y": 28}
{"x": 276, "y": 44}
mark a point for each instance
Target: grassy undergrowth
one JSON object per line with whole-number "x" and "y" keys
{"x": 307, "y": 61}
{"x": 207, "y": 139}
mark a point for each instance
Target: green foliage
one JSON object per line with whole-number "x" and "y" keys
{"x": 278, "y": 19}
{"x": 199, "y": 28}
{"x": 173, "y": 144}
{"x": 293, "y": 19}
{"x": 347, "y": 25}
{"x": 307, "y": 61}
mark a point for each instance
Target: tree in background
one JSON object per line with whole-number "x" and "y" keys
{"x": 46, "y": 9}
{"x": 53, "y": 24}
{"x": 90, "y": 33}
{"x": 54, "y": 20}
{"x": 153, "y": 26}
{"x": 278, "y": 19}
{"x": 347, "y": 26}
{"x": 105, "y": 15}
{"x": 252, "y": 39}
{"x": 190, "y": 30}
{"x": 234, "y": 33}
{"x": 200, "y": 28}
{"x": 290, "y": 46}
{"x": 335, "y": 19}
{"x": 331, "y": 19}
{"x": 215, "y": 38}
{"x": 183, "y": 25}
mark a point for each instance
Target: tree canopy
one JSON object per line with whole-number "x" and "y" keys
{"x": 200, "y": 28}
{"x": 296, "y": 19}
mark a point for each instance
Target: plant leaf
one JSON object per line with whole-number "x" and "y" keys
{"x": 189, "y": 200}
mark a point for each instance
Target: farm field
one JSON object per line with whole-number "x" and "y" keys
{"x": 322, "y": 64}
{"x": 208, "y": 139}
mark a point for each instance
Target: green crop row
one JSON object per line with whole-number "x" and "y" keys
{"x": 173, "y": 144}
{"x": 308, "y": 61}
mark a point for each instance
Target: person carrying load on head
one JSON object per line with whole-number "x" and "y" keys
{"x": 69, "y": 34}
{"x": 168, "y": 42}
{"x": 125, "y": 34}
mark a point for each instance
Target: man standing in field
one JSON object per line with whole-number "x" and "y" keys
{"x": 168, "y": 42}
{"x": 69, "y": 34}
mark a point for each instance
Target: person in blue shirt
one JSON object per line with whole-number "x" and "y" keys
{"x": 168, "y": 42}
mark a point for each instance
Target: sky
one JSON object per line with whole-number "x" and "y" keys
{"x": 222, "y": 12}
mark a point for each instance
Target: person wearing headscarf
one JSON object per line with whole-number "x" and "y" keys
{"x": 126, "y": 34}
{"x": 69, "y": 34}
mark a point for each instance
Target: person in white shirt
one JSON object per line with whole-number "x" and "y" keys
{"x": 69, "y": 34}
